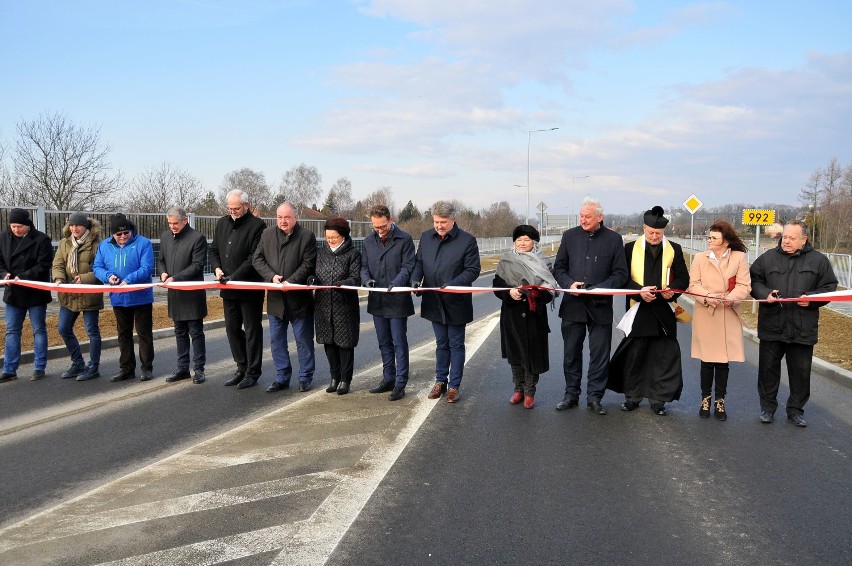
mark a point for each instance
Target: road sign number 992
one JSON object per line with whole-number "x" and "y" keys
{"x": 758, "y": 217}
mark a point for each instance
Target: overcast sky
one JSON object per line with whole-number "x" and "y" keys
{"x": 735, "y": 101}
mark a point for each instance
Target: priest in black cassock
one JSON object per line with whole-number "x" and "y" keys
{"x": 647, "y": 362}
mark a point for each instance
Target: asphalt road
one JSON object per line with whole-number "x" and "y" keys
{"x": 479, "y": 482}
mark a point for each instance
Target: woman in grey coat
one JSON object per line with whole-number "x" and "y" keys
{"x": 336, "y": 313}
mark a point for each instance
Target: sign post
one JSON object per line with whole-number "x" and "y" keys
{"x": 757, "y": 218}
{"x": 692, "y": 204}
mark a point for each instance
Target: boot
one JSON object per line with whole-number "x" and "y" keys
{"x": 704, "y": 411}
{"x": 332, "y": 386}
{"x": 720, "y": 413}
{"x": 343, "y": 388}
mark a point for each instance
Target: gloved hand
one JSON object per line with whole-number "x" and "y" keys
{"x": 312, "y": 280}
{"x": 224, "y": 279}
{"x": 390, "y": 287}
{"x": 370, "y": 284}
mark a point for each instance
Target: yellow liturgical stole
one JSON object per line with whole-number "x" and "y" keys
{"x": 637, "y": 263}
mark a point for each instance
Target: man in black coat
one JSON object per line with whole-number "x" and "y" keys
{"x": 793, "y": 269}
{"x": 234, "y": 243}
{"x": 25, "y": 253}
{"x": 447, "y": 256}
{"x": 590, "y": 255}
{"x": 183, "y": 253}
{"x": 287, "y": 253}
{"x": 387, "y": 261}
{"x": 647, "y": 362}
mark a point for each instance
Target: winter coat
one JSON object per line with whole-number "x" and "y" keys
{"x": 388, "y": 265}
{"x": 452, "y": 261}
{"x": 133, "y": 263}
{"x": 232, "y": 251}
{"x": 523, "y": 332}
{"x": 77, "y": 302}
{"x": 717, "y": 332}
{"x": 182, "y": 257}
{"x": 804, "y": 272}
{"x": 27, "y": 258}
{"x": 336, "y": 312}
{"x": 657, "y": 317}
{"x": 292, "y": 257}
{"x": 597, "y": 259}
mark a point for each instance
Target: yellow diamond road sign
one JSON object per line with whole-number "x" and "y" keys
{"x": 692, "y": 204}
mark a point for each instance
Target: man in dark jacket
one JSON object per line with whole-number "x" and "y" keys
{"x": 124, "y": 259}
{"x": 287, "y": 253}
{"x": 231, "y": 252}
{"x": 387, "y": 261}
{"x": 183, "y": 253}
{"x": 25, "y": 253}
{"x": 788, "y": 329}
{"x": 647, "y": 362}
{"x": 447, "y": 256}
{"x": 590, "y": 255}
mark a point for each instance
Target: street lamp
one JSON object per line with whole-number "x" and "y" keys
{"x": 529, "y": 142}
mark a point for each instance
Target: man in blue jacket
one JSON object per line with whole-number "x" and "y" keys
{"x": 387, "y": 261}
{"x": 124, "y": 259}
{"x": 447, "y": 256}
{"x": 590, "y": 255}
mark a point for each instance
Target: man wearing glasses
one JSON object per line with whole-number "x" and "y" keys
{"x": 387, "y": 261}
{"x": 125, "y": 259}
{"x": 234, "y": 241}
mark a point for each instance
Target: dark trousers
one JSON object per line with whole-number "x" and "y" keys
{"x": 341, "y": 362}
{"x": 244, "y": 327}
{"x": 799, "y": 359}
{"x": 600, "y": 344}
{"x": 142, "y": 317}
{"x": 186, "y": 331}
{"x": 714, "y": 371}
{"x": 392, "y": 335}
{"x": 524, "y": 381}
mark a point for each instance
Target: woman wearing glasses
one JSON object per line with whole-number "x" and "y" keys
{"x": 719, "y": 280}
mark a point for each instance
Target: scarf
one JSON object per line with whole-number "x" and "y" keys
{"x": 637, "y": 263}
{"x": 526, "y": 268}
{"x": 72, "y": 267}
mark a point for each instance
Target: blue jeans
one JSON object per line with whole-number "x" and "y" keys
{"x": 184, "y": 331}
{"x": 303, "y": 333}
{"x": 67, "y": 319}
{"x": 392, "y": 334}
{"x": 600, "y": 344}
{"x": 14, "y": 324}
{"x": 449, "y": 353}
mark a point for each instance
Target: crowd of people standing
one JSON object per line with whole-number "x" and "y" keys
{"x": 645, "y": 365}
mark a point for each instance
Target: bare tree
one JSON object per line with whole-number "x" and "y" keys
{"x": 254, "y": 184}
{"x": 300, "y": 186}
{"x": 497, "y": 220}
{"x": 339, "y": 200}
{"x": 63, "y": 166}
{"x": 809, "y": 196}
{"x": 7, "y": 195}
{"x": 158, "y": 188}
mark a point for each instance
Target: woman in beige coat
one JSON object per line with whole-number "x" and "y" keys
{"x": 719, "y": 279}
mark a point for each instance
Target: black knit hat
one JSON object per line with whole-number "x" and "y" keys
{"x": 79, "y": 219}
{"x": 119, "y": 223}
{"x": 526, "y": 230}
{"x": 20, "y": 216}
{"x": 654, "y": 218}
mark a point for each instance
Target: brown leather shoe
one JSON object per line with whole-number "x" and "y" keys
{"x": 452, "y": 395}
{"x": 437, "y": 390}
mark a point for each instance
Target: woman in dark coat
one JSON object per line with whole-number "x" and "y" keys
{"x": 336, "y": 312}
{"x": 523, "y": 316}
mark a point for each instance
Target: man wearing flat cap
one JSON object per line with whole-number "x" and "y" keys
{"x": 647, "y": 362}
{"x": 124, "y": 259}
{"x": 25, "y": 253}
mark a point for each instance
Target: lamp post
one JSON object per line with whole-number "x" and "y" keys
{"x": 529, "y": 142}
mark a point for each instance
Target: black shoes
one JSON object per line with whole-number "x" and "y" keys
{"x": 332, "y": 387}
{"x": 596, "y": 407}
{"x": 306, "y": 386}
{"x": 342, "y": 389}
{"x": 74, "y": 371}
{"x": 199, "y": 377}
{"x": 276, "y": 386}
{"x": 397, "y": 394}
{"x": 567, "y": 403}
{"x": 247, "y": 382}
{"x": 122, "y": 376}
{"x": 8, "y": 376}
{"x": 383, "y": 387}
{"x": 719, "y": 411}
{"x": 704, "y": 411}
{"x": 177, "y": 376}
{"x": 797, "y": 420}
{"x": 37, "y": 375}
{"x": 238, "y": 377}
{"x": 146, "y": 375}
{"x": 628, "y": 406}
{"x": 766, "y": 417}
{"x": 659, "y": 409}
